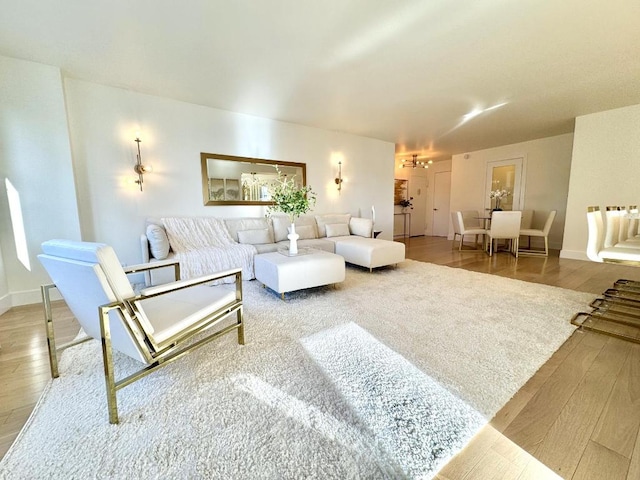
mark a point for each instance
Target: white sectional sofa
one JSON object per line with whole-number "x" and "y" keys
{"x": 208, "y": 244}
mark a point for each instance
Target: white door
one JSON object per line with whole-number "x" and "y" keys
{"x": 418, "y": 196}
{"x": 441, "y": 198}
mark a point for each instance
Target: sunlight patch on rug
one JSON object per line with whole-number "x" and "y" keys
{"x": 415, "y": 419}
{"x": 313, "y": 418}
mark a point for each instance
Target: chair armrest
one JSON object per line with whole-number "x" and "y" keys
{"x": 142, "y": 267}
{"x": 180, "y": 284}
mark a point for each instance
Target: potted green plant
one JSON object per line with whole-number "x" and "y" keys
{"x": 404, "y": 203}
{"x": 293, "y": 200}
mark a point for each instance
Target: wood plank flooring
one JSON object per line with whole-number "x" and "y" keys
{"x": 578, "y": 417}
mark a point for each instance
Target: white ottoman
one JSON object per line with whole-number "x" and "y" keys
{"x": 285, "y": 274}
{"x": 369, "y": 252}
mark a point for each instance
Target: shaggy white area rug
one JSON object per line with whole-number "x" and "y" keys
{"x": 386, "y": 376}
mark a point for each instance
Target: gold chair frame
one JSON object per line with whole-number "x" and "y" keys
{"x": 157, "y": 355}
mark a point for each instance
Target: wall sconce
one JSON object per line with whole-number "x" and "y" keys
{"x": 139, "y": 168}
{"x": 338, "y": 179}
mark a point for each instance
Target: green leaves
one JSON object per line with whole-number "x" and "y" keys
{"x": 289, "y": 198}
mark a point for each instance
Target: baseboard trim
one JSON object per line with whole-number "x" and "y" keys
{"x": 29, "y": 297}
{"x": 5, "y": 304}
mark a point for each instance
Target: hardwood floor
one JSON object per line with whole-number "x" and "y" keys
{"x": 577, "y": 417}
{"x": 24, "y": 363}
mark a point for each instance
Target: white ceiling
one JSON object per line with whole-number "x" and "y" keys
{"x": 402, "y": 71}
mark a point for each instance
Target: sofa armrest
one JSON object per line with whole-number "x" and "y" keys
{"x": 144, "y": 248}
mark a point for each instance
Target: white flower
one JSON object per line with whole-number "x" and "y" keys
{"x": 498, "y": 193}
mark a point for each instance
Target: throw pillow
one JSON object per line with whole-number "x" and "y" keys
{"x": 255, "y": 237}
{"x": 337, "y": 230}
{"x": 361, "y": 226}
{"x": 158, "y": 241}
{"x": 234, "y": 225}
{"x": 335, "y": 218}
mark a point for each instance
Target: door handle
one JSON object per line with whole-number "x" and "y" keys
{"x": 435, "y": 209}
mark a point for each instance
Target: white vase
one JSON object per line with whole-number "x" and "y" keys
{"x": 293, "y": 240}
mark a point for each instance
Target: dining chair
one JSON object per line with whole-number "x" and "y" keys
{"x": 154, "y": 327}
{"x": 527, "y": 219}
{"x": 597, "y": 251}
{"x": 627, "y": 235}
{"x": 617, "y": 229}
{"x": 538, "y": 232}
{"x": 460, "y": 228}
{"x": 505, "y": 225}
{"x": 457, "y": 230}
{"x": 471, "y": 219}
{"x": 612, "y": 226}
{"x": 632, "y": 232}
{"x": 473, "y": 229}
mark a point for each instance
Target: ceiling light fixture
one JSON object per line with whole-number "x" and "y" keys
{"x": 414, "y": 163}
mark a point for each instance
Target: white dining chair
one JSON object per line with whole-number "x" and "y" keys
{"x": 527, "y": 219}
{"x": 597, "y": 251}
{"x": 505, "y": 225}
{"x": 542, "y": 232}
{"x": 632, "y": 232}
{"x": 461, "y": 228}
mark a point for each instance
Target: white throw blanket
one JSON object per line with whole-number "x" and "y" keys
{"x": 203, "y": 245}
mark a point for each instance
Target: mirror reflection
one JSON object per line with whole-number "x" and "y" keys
{"x": 230, "y": 180}
{"x": 502, "y": 178}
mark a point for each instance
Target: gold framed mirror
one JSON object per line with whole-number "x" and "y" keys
{"x": 230, "y": 180}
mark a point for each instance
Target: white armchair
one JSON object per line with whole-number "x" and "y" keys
{"x": 152, "y": 327}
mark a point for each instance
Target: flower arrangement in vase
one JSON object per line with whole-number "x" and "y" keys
{"x": 405, "y": 204}
{"x": 498, "y": 195}
{"x": 293, "y": 200}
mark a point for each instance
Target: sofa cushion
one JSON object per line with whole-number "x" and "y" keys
{"x": 317, "y": 243}
{"x": 158, "y": 241}
{"x": 306, "y": 232}
{"x": 361, "y": 226}
{"x": 267, "y": 247}
{"x": 337, "y": 229}
{"x": 234, "y": 225}
{"x": 281, "y": 225}
{"x": 255, "y": 236}
{"x": 334, "y": 218}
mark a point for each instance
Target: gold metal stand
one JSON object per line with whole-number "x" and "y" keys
{"x": 616, "y": 314}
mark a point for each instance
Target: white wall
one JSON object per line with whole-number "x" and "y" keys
{"x": 604, "y": 170}
{"x": 36, "y": 158}
{"x": 103, "y": 121}
{"x": 548, "y": 163}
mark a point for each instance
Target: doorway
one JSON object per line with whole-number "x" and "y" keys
{"x": 418, "y": 195}
{"x": 441, "y": 199}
